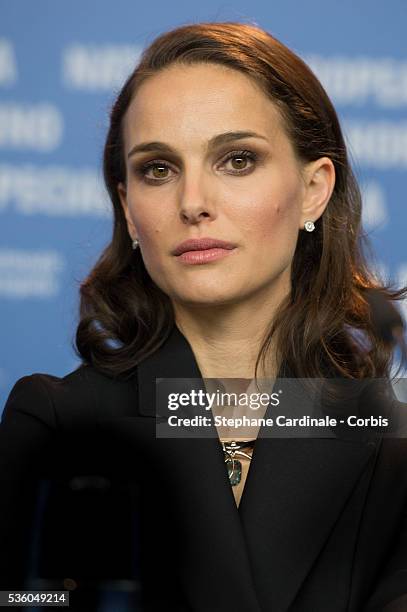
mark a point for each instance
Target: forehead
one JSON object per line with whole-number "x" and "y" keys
{"x": 197, "y": 101}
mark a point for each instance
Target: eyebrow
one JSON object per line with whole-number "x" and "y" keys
{"x": 213, "y": 142}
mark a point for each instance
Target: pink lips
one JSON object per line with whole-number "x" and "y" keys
{"x": 202, "y": 250}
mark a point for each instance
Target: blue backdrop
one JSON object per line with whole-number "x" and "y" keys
{"x": 60, "y": 66}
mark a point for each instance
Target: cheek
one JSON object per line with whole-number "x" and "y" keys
{"x": 270, "y": 216}
{"x": 150, "y": 224}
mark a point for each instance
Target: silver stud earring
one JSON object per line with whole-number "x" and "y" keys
{"x": 135, "y": 244}
{"x": 309, "y": 226}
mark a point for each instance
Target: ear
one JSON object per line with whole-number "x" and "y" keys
{"x": 319, "y": 178}
{"x": 122, "y": 191}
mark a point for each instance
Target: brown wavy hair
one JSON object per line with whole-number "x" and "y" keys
{"x": 325, "y": 325}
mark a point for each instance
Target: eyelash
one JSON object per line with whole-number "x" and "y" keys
{"x": 142, "y": 170}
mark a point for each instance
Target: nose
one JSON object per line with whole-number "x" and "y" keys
{"x": 195, "y": 205}
{"x": 193, "y": 214}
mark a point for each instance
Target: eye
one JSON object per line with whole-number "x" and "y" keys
{"x": 240, "y": 161}
{"x": 159, "y": 171}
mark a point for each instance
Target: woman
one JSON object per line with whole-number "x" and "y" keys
{"x": 236, "y": 254}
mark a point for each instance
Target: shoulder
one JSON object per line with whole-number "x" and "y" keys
{"x": 81, "y": 395}
{"x": 390, "y": 470}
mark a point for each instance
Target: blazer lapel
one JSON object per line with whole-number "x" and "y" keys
{"x": 293, "y": 494}
{"x": 295, "y": 491}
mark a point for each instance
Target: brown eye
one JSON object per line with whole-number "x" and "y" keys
{"x": 238, "y": 162}
{"x": 153, "y": 172}
{"x": 159, "y": 171}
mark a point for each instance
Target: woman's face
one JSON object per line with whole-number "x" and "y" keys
{"x": 191, "y": 175}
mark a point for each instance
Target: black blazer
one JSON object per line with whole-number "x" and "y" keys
{"x": 321, "y": 527}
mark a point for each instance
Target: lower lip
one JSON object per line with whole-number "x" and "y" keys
{"x": 201, "y": 257}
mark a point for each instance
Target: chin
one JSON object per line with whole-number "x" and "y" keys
{"x": 208, "y": 298}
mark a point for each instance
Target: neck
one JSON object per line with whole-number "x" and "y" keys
{"x": 226, "y": 339}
